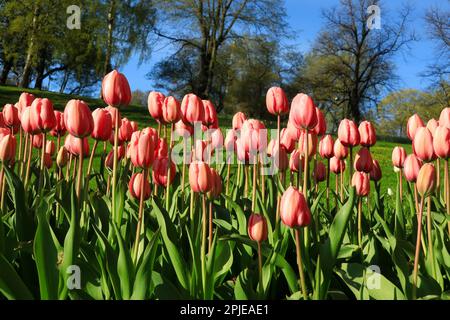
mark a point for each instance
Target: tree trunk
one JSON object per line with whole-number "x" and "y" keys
{"x": 24, "y": 83}
{"x": 7, "y": 65}
{"x": 109, "y": 45}
{"x": 64, "y": 81}
{"x": 40, "y": 69}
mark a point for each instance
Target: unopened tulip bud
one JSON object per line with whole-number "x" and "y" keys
{"x": 414, "y": 122}
{"x": 102, "y": 124}
{"x": 326, "y": 146}
{"x": 441, "y": 142}
{"x": 296, "y": 162}
{"x": 361, "y": 182}
{"x": 10, "y": 116}
{"x": 50, "y": 147}
{"x": 26, "y": 99}
{"x": 116, "y": 90}
{"x": 238, "y": 120}
{"x": 192, "y": 109}
{"x": 411, "y": 167}
{"x": 444, "y": 118}
{"x": 426, "y": 180}
{"x": 398, "y": 157}
{"x": 423, "y": 145}
{"x": 171, "y": 110}
{"x": 159, "y": 171}
{"x": 200, "y": 177}
{"x": 210, "y": 116}
{"x": 320, "y": 172}
{"x": 303, "y": 112}
{"x": 321, "y": 126}
{"x": 432, "y": 124}
{"x": 134, "y": 186}
{"x": 340, "y": 151}
{"x": 78, "y": 118}
{"x": 276, "y": 101}
{"x": 257, "y": 228}
{"x": 142, "y": 149}
{"x": 337, "y": 166}
{"x": 155, "y": 103}
{"x": 294, "y": 211}
{"x": 7, "y": 148}
{"x": 363, "y": 160}
{"x": 42, "y": 115}
{"x": 367, "y": 134}
{"x": 60, "y": 128}
{"x": 216, "y": 188}
{"x": 62, "y": 158}
{"x": 348, "y": 133}
{"x": 375, "y": 173}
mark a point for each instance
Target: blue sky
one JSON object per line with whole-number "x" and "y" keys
{"x": 305, "y": 19}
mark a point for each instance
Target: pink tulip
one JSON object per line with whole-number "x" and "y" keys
{"x": 303, "y": 112}
{"x": 423, "y": 145}
{"x": 216, "y": 185}
{"x": 296, "y": 162}
{"x": 375, "y": 173}
{"x": 361, "y": 182}
{"x": 116, "y": 91}
{"x": 25, "y": 100}
{"x": 320, "y": 172}
{"x": 7, "y": 148}
{"x": 287, "y": 140}
{"x": 294, "y": 210}
{"x": 155, "y": 103}
{"x": 60, "y": 128}
{"x": 170, "y": 110}
{"x": 363, "y": 160}
{"x": 192, "y": 109}
{"x": 102, "y": 125}
{"x": 411, "y": 167}
{"x": 276, "y": 101}
{"x": 114, "y": 112}
{"x": 134, "y": 186}
{"x": 159, "y": 171}
{"x": 142, "y": 147}
{"x": 326, "y": 147}
{"x": 257, "y": 228}
{"x": 444, "y": 118}
{"x": 426, "y": 179}
{"x": 125, "y": 131}
{"x": 238, "y": 120}
{"x": 414, "y": 122}
{"x": 42, "y": 116}
{"x": 348, "y": 133}
{"x": 398, "y": 157}
{"x": 78, "y": 118}
{"x": 432, "y": 124}
{"x": 210, "y": 116}
{"x": 337, "y": 166}
{"x": 312, "y": 144}
{"x": 321, "y": 127}
{"x": 10, "y": 116}
{"x": 340, "y": 151}
{"x": 367, "y": 134}
{"x": 441, "y": 142}
{"x": 200, "y": 177}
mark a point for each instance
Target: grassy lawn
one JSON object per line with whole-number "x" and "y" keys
{"x": 381, "y": 151}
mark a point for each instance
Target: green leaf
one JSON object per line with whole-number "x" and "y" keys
{"x": 124, "y": 265}
{"x": 11, "y": 285}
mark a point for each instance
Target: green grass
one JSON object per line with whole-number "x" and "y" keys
{"x": 381, "y": 151}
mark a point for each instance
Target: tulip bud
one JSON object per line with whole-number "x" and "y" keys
{"x": 361, "y": 182}
{"x": 216, "y": 139}
{"x": 200, "y": 177}
{"x": 216, "y": 187}
{"x": 192, "y": 109}
{"x": 114, "y": 112}
{"x": 25, "y": 100}
{"x": 7, "y": 148}
{"x": 134, "y": 186}
{"x": 294, "y": 211}
{"x": 444, "y": 118}
{"x": 125, "y": 131}
{"x": 294, "y": 132}
{"x": 183, "y": 130}
{"x": 321, "y": 126}
{"x": 276, "y": 101}
{"x": 326, "y": 146}
{"x": 62, "y": 158}
{"x": 320, "y": 172}
{"x": 296, "y": 162}
{"x": 432, "y": 124}
{"x": 281, "y": 158}
{"x": 210, "y": 116}
{"x": 411, "y": 167}
{"x": 50, "y": 147}
{"x": 312, "y": 144}
{"x": 287, "y": 140}
{"x": 423, "y": 144}
{"x": 253, "y": 138}
{"x": 159, "y": 172}
{"x": 155, "y": 103}
{"x": 161, "y": 149}
{"x": 37, "y": 141}
{"x": 142, "y": 149}
{"x": 102, "y": 129}
{"x": 303, "y": 112}
{"x": 171, "y": 110}
{"x": 414, "y": 122}
{"x": 116, "y": 90}
{"x": 10, "y": 116}
{"x": 363, "y": 160}
{"x": 26, "y": 122}
{"x": 238, "y": 120}
{"x": 441, "y": 142}
{"x": 60, "y": 128}
{"x": 48, "y": 161}
{"x": 348, "y": 133}
{"x": 375, "y": 173}
{"x": 367, "y": 134}
{"x": 109, "y": 161}
{"x": 42, "y": 116}
{"x": 72, "y": 144}
{"x": 257, "y": 228}
{"x": 202, "y": 151}
{"x": 78, "y": 118}
{"x": 340, "y": 151}
{"x": 426, "y": 179}
{"x": 337, "y": 166}
{"x": 398, "y": 157}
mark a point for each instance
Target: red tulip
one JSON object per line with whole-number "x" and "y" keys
{"x": 155, "y": 103}
{"x": 257, "y": 228}
{"x": 414, "y": 122}
{"x": 321, "y": 127}
{"x": 159, "y": 172}
{"x": 293, "y": 131}
{"x": 37, "y": 141}
{"x": 42, "y": 116}
{"x": 361, "y": 182}
{"x": 72, "y": 144}
{"x": 294, "y": 211}
{"x": 423, "y": 145}
{"x": 60, "y": 128}
{"x": 125, "y": 131}
{"x": 432, "y": 124}
{"x": 134, "y": 126}
{"x": 48, "y": 161}
{"x": 441, "y": 142}
{"x": 216, "y": 187}
{"x": 367, "y": 134}
{"x": 50, "y": 147}
{"x": 242, "y": 155}
{"x": 340, "y": 151}
{"x": 280, "y": 157}
{"x": 202, "y": 151}
{"x": 297, "y": 161}
{"x": 398, "y": 157}
{"x": 62, "y": 157}
{"x": 411, "y": 167}
{"x": 200, "y": 177}
{"x": 216, "y": 139}
{"x": 26, "y": 122}
{"x": 134, "y": 186}
{"x": 210, "y": 116}
{"x": 320, "y": 172}
{"x": 102, "y": 125}
{"x": 287, "y": 140}
{"x": 25, "y": 100}
{"x": 375, "y": 173}
{"x": 183, "y": 130}
{"x": 276, "y": 101}
{"x": 171, "y": 110}
{"x": 2, "y": 122}
{"x": 337, "y": 166}
{"x": 312, "y": 144}
{"x": 230, "y": 140}
{"x": 363, "y": 160}
{"x": 192, "y": 109}
{"x": 238, "y": 120}
{"x": 252, "y": 137}
{"x": 78, "y": 118}
{"x": 114, "y": 112}
{"x": 7, "y": 148}
{"x": 326, "y": 147}
{"x": 348, "y": 133}
{"x": 303, "y": 112}
{"x": 426, "y": 179}
{"x": 161, "y": 149}
{"x": 142, "y": 148}
{"x": 444, "y": 118}
{"x": 10, "y": 116}
{"x": 116, "y": 91}
{"x": 109, "y": 161}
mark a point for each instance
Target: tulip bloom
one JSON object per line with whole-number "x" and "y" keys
{"x": 257, "y": 228}
{"x": 216, "y": 188}
{"x": 414, "y": 122}
{"x": 26, "y": 123}
{"x": 320, "y": 172}
{"x": 423, "y": 145}
{"x": 348, "y": 133}
{"x": 321, "y": 126}
{"x": 216, "y": 139}
{"x": 426, "y": 179}
{"x": 296, "y": 162}
{"x": 276, "y": 101}
{"x": 72, "y": 144}
{"x": 42, "y": 116}
{"x": 142, "y": 149}
{"x": 326, "y": 146}
{"x": 7, "y": 148}
{"x": 210, "y": 116}
{"x": 337, "y": 166}
{"x": 361, "y": 182}
{"x": 25, "y": 100}
{"x": 125, "y": 131}
{"x": 134, "y": 186}
{"x": 432, "y": 124}
{"x": 48, "y": 161}
{"x": 287, "y": 140}
{"x": 375, "y": 173}
{"x": 252, "y": 136}
{"x": 114, "y": 112}
{"x": 340, "y": 151}
{"x": 161, "y": 149}
{"x": 60, "y": 128}
{"x": 62, "y": 157}
{"x": 192, "y": 109}
{"x": 303, "y": 112}
{"x": 160, "y": 171}
{"x": 155, "y": 103}
{"x": 200, "y": 177}
{"x": 238, "y": 120}
{"x": 363, "y": 160}
{"x": 10, "y": 116}
{"x": 50, "y": 147}
{"x": 37, "y": 141}
{"x": 116, "y": 90}
{"x": 102, "y": 128}
{"x": 312, "y": 144}
{"x": 170, "y": 110}
{"x": 280, "y": 157}
{"x": 294, "y": 210}
{"x": 183, "y": 130}
{"x": 411, "y": 167}
{"x": 398, "y": 157}
{"x": 367, "y": 134}
{"x": 78, "y": 118}
{"x": 110, "y": 157}
{"x": 441, "y": 142}
{"x": 444, "y": 118}
{"x": 230, "y": 140}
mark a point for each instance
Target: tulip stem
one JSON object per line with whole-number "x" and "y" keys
{"x": 341, "y": 175}
{"x": 228, "y": 178}
{"x": 203, "y": 248}
{"x": 306, "y": 169}
{"x": 91, "y": 160}
{"x": 416, "y": 256}
{"x": 261, "y": 284}
{"x": 2, "y": 179}
{"x": 80, "y": 169}
{"x": 359, "y": 221}
{"x": 19, "y": 158}
{"x": 350, "y": 166}
{"x": 69, "y": 165}
{"x": 169, "y": 161}
{"x": 328, "y": 184}
{"x": 255, "y": 172}
{"x": 25, "y": 155}
{"x": 140, "y": 214}
{"x": 447, "y": 192}
{"x": 114, "y": 177}
{"x": 41, "y": 173}
{"x": 438, "y": 178}
{"x": 400, "y": 175}
{"x": 429, "y": 235}
{"x": 300, "y": 264}
{"x": 210, "y": 226}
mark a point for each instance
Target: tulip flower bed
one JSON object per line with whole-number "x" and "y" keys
{"x": 190, "y": 210}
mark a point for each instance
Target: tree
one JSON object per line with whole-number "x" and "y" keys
{"x": 359, "y": 58}
{"x": 205, "y": 26}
